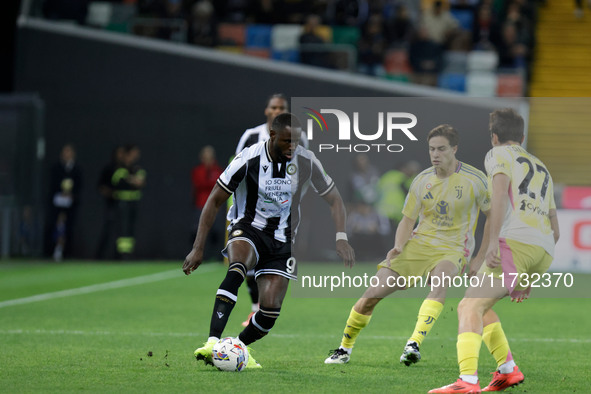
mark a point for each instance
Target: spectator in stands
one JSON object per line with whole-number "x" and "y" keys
{"x": 512, "y": 52}
{"x": 310, "y": 52}
{"x": 523, "y": 25}
{"x": 347, "y": 12}
{"x": 364, "y": 180}
{"x": 203, "y": 179}
{"x": 426, "y": 58}
{"x": 65, "y": 184}
{"x": 372, "y": 47}
{"x": 400, "y": 28}
{"x": 484, "y": 29}
{"x": 368, "y": 231}
{"x": 202, "y": 24}
{"x": 265, "y": 11}
{"x": 440, "y": 25}
{"x": 365, "y": 225}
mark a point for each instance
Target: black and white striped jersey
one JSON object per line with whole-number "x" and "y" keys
{"x": 267, "y": 194}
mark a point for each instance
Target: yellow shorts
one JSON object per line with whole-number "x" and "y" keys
{"x": 418, "y": 259}
{"x": 520, "y": 264}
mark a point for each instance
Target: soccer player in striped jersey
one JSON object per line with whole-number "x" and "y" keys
{"x": 446, "y": 199}
{"x": 522, "y": 234}
{"x": 276, "y": 104}
{"x": 268, "y": 181}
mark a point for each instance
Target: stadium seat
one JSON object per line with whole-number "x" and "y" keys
{"x": 285, "y": 37}
{"x": 404, "y": 78}
{"x": 455, "y": 62}
{"x": 452, "y": 81}
{"x": 99, "y": 13}
{"x": 482, "y": 61}
{"x": 290, "y": 55}
{"x": 257, "y": 52}
{"x": 230, "y": 48}
{"x": 120, "y": 18}
{"x": 481, "y": 84}
{"x": 510, "y": 85}
{"x": 345, "y": 35}
{"x": 464, "y": 17}
{"x": 396, "y": 62}
{"x": 231, "y": 34}
{"x": 258, "y": 36}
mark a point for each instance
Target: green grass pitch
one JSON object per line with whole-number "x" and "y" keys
{"x": 99, "y": 339}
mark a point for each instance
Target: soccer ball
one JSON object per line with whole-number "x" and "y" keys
{"x": 230, "y": 354}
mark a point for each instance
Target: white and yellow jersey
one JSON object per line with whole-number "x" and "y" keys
{"x": 531, "y": 195}
{"x": 447, "y": 208}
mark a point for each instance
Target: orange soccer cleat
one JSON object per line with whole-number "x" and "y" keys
{"x": 245, "y": 323}
{"x": 501, "y": 381}
{"x": 458, "y": 387}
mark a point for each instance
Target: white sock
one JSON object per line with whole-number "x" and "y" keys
{"x": 212, "y": 339}
{"x": 347, "y": 349}
{"x": 254, "y": 308}
{"x": 472, "y": 379}
{"x": 507, "y": 367}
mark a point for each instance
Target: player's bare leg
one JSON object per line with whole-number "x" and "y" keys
{"x": 507, "y": 373}
{"x": 272, "y": 290}
{"x": 473, "y": 308}
{"x": 429, "y": 311}
{"x": 361, "y": 314}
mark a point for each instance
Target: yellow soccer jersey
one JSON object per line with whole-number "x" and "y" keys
{"x": 447, "y": 208}
{"x": 531, "y": 195}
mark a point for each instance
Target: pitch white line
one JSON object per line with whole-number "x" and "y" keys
{"x": 198, "y": 334}
{"x": 138, "y": 280}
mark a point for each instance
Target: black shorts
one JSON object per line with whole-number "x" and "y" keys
{"x": 273, "y": 257}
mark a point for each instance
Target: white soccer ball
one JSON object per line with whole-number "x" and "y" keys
{"x": 230, "y": 354}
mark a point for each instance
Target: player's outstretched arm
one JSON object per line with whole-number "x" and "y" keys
{"x": 498, "y": 206}
{"x": 339, "y": 216}
{"x": 216, "y": 198}
{"x": 403, "y": 234}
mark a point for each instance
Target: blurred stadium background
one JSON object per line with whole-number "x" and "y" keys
{"x": 175, "y": 75}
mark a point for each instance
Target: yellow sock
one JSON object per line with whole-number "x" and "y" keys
{"x": 496, "y": 342}
{"x": 355, "y": 323}
{"x": 468, "y": 350}
{"x": 428, "y": 313}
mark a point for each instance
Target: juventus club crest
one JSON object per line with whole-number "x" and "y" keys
{"x": 459, "y": 191}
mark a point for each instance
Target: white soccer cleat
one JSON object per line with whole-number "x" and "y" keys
{"x": 411, "y": 354}
{"x": 338, "y": 356}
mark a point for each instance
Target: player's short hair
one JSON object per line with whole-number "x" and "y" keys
{"x": 507, "y": 124}
{"x": 446, "y": 131}
{"x": 279, "y": 96}
{"x": 283, "y": 120}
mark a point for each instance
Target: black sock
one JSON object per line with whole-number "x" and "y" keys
{"x": 225, "y": 298}
{"x": 260, "y": 324}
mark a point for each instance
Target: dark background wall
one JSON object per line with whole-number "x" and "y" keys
{"x": 98, "y": 94}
